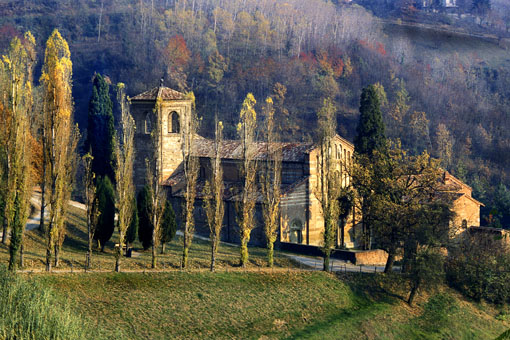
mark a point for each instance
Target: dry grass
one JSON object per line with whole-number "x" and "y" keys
{"x": 75, "y": 248}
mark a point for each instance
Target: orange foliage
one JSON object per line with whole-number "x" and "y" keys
{"x": 37, "y": 159}
{"x": 177, "y": 53}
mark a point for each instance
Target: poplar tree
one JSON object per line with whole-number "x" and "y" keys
{"x": 101, "y": 130}
{"x": 91, "y": 204}
{"x": 124, "y": 155}
{"x": 271, "y": 182}
{"x": 191, "y": 166}
{"x": 154, "y": 171}
{"x": 16, "y": 108}
{"x": 328, "y": 185}
{"x": 213, "y": 201}
{"x": 57, "y": 135}
{"x": 248, "y": 169}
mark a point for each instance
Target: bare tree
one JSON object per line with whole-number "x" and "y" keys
{"x": 246, "y": 203}
{"x": 213, "y": 202}
{"x": 191, "y": 166}
{"x": 124, "y": 154}
{"x": 271, "y": 182}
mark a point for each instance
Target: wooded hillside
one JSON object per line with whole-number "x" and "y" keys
{"x": 446, "y": 93}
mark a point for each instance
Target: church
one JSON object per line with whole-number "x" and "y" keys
{"x": 301, "y": 220}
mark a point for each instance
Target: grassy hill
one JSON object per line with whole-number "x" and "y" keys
{"x": 75, "y": 247}
{"x": 250, "y": 305}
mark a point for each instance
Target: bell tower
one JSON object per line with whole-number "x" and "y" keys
{"x": 174, "y": 111}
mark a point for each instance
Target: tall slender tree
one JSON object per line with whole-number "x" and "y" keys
{"x": 16, "y": 106}
{"x": 124, "y": 154}
{"x": 328, "y": 184}
{"x": 191, "y": 167}
{"x": 248, "y": 168}
{"x": 271, "y": 180}
{"x": 370, "y": 139}
{"x": 213, "y": 201}
{"x": 57, "y": 134}
{"x": 154, "y": 172}
{"x": 91, "y": 204}
{"x": 100, "y": 130}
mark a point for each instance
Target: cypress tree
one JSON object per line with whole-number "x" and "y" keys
{"x": 370, "y": 140}
{"x": 106, "y": 205}
{"x": 144, "y": 220}
{"x": 101, "y": 129}
{"x": 370, "y": 130}
{"x": 169, "y": 225}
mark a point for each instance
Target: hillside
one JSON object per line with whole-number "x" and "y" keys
{"x": 298, "y": 52}
{"x": 297, "y": 305}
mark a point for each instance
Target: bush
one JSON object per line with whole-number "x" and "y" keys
{"x": 480, "y": 269}
{"x": 132, "y": 231}
{"x": 30, "y": 311}
{"x": 169, "y": 224}
{"x": 144, "y": 219}
{"x": 106, "y": 220}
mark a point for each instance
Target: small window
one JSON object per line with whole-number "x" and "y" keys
{"x": 296, "y": 231}
{"x": 174, "y": 125}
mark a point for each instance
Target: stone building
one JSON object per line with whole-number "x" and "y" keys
{"x": 301, "y": 219}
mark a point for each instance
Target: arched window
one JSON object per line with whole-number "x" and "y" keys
{"x": 148, "y": 123}
{"x": 296, "y": 231}
{"x": 174, "y": 125}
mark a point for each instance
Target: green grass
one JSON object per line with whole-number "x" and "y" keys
{"x": 252, "y": 305}
{"x": 75, "y": 247}
{"x": 31, "y": 311}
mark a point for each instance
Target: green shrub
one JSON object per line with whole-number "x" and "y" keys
{"x": 29, "y": 311}
{"x": 479, "y": 269}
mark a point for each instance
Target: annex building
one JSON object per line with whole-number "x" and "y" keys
{"x": 301, "y": 220}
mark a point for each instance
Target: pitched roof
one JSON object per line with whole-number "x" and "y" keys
{"x": 162, "y": 92}
{"x": 232, "y": 149}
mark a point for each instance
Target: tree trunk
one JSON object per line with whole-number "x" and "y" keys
{"x": 391, "y": 259}
{"x": 163, "y": 244}
{"x": 118, "y": 256}
{"x": 244, "y": 253}
{"x": 89, "y": 253}
{"x": 270, "y": 254}
{"x": 4, "y": 235}
{"x": 412, "y": 295}
{"x": 43, "y": 194}
{"x": 213, "y": 253}
{"x": 48, "y": 259}
{"x": 327, "y": 254}
{"x": 57, "y": 256}
{"x": 184, "y": 257}
{"x": 153, "y": 263}
{"x": 21, "y": 259}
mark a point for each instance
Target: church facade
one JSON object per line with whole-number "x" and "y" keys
{"x": 301, "y": 220}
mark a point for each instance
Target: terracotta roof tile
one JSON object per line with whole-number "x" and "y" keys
{"x": 164, "y": 92}
{"x": 231, "y": 149}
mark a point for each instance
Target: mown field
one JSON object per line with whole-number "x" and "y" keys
{"x": 252, "y": 305}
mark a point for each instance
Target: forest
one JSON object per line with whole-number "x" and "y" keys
{"x": 440, "y": 92}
